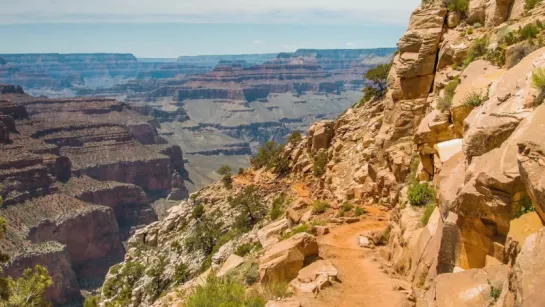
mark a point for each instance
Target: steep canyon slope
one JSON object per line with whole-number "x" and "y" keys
{"x": 441, "y": 177}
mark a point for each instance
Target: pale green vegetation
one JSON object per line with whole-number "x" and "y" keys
{"x": 319, "y": 207}
{"x": 320, "y": 162}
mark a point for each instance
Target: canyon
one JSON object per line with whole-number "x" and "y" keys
{"x": 428, "y": 194}
{"x": 220, "y": 108}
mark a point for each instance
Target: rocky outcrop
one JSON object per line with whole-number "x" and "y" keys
{"x": 283, "y": 260}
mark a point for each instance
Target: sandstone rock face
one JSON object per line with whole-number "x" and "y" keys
{"x": 284, "y": 259}
{"x": 531, "y": 157}
{"x": 53, "y": 256}
{"x": 528, "y": 273}
{"x": 231, "y": 263}
{"x": 475, "y": 79}
{"x": 510, "y": 98}
{"x": 320, "y": 134}
{"x": 272, "y": 233}
{"x": 497, "y": 12}
{"x": 414, "y": 66}
{"x": 469, "y": 288}
{"x": 476, "y": 11}
{"x": 521, "y": 228}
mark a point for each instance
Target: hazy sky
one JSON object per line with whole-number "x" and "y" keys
{"x": 169, "y": 28}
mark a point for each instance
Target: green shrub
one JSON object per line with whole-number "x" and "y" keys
{"x": 181, "y": 273}
{"x": 250, "y": 207}
{"x": 385, "y": 237}
{"x": 225, "y": 171}
{"x": 457, "y": 5}
{"x": 198, "y": 211}
{"x": 415, "y": 162}
{"x": 420, "y": 194}
{"x": 91, "y": 301}
{"x": 424, "y": 219}
{"x": 473, "y": 100}
{"x": 159, "y": 281}
{"x": 299, "y": 229}
{"x": 121, "y": 285}
{"x": 526, "y": 206}
{"x": 275, "y": 289}
{"x": 347, "y": 207}
{"x": 270, "y": 156}
{"x": 244, "y": 249}
{"x": 359, "y": 211}
{"x": 477, "y": 25}
{"x": 240, "y": 171}
{"x": 444, "y": 103}
{"x": 277, "y": 208}
{"x": 476, "y": 50}
{"x": 538, "y": 79}
{"x": 223, "y": 293}
{"x": 530, "y": 4}
{"x": 495, "y": 293}
{"x": 204, "y": 236}
{"x": 529, "y": 31}
{"x": 294, "y": 137}
{"x": 497, "y": 56}
{"x": 319, "y": 207}
{"x": 320, "y": 162}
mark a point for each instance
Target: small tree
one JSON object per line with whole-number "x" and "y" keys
{"x": 250, "y": 204}
{"x": 225, "y": 171}
{"x": 320, "y": 162}
{"x": 27, "y": 290}
{"x": 376, "y": 83}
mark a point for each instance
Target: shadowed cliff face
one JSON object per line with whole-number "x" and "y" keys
{"x": 78, "y": 178}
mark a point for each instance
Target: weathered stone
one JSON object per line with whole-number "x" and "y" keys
{"x": 271, "y": 233}
{"x": 283, "y": 260}
{"x": 232, "y": 262}
{"x": 497, "y": 12}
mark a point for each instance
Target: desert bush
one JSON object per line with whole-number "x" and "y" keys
{"x": 121, "y": 285}
{"x": 277, "y": 208}
{"x": 476, "y": 50}
{"x": 320, "y": 162}
{"x": 270, "y": 156}
{"x": 250, "y": 206}
{"x": 428, "y": 210}
{"x": 159, "y": 282}
{"x": 91, "y": 301}
{"x": 457, "y": 5}
{"x": 244, "y": 249}
{"x": 198, "y": 211}
{"x": 181, "y": 273}
{"x": 275, "y": 289}
{"x": 359, "y": 211}
{"x": 319, "y": 207}
{"x": 529, "y": 31}
{"x": 347, "y": 207}
{"x": 445, "y": 102}
{"x": 223, "y": 292}
{"x": 538, "y": 79}
{"x": 530, "y": 4}
{"x": 497, "y": 56}
{"x": 225, "y": 171}
{"x": 299, "y": 229}
{"x": 526, "y": 206}
{"x": 294, "y": 137}
{"x": 477, "y": 25}
{"x": 204, "y": 236}
{"x": 240, "y": 171}
{"x": 420, "y": 194}
{"x": 473, "y": 100}
{"x": 495, "y": 293}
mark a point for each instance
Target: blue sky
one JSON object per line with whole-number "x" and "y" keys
{"x": 169, "y": 28}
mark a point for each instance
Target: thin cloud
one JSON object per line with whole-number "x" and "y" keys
{"x": 349, "y": 44}
{"x": 209, "y": 11}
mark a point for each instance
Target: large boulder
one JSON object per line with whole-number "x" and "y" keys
{"x": 271, "y": 233}
{"x": 497, "y": 12}
{"x": 412, "y": 75}
{"x": 527, "y": 277}
{"x": 531, "y": 158}
{"x": 283, "y": 260}
{"x": 469, "y": 288}
{"x": 476, "y": 11}
{"x": 320, "y": 135}
{"x": 476, "y": 78}
{"x": 521, "y": 228}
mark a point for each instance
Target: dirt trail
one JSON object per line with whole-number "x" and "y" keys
{"x": 362, "y": 282}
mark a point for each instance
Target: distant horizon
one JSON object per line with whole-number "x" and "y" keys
{"x": 197, "y": 55}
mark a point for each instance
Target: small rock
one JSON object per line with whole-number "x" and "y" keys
{"x": 321, "y": 230}
{"x": 364, "y": 242}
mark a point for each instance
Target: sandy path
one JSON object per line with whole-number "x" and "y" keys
{"x": 362, "y": 281}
